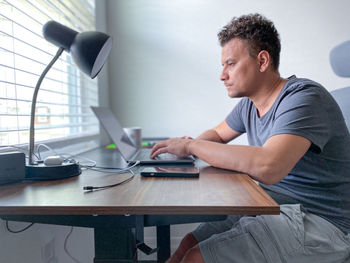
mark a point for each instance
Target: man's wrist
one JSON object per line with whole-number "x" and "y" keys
{"x": 190, "y": 146}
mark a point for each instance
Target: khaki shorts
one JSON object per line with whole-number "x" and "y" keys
{"x": 293, "y": 236}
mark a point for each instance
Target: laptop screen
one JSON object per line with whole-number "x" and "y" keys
{"x": 115, "y": 131}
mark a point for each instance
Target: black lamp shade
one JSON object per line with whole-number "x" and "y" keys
{"x": 88, "y": 49}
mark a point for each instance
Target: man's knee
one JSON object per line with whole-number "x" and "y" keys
{"x": 193, "y": 256}
{"x": 189, "y": 241}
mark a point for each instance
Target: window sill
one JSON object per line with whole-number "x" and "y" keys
{"x": 71, "y": 145}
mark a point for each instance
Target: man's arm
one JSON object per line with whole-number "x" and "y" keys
{"x": 221, "y": 133}
{"x": 267, "y": 164}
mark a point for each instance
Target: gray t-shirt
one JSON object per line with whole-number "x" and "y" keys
{"x": 320, "y": 181}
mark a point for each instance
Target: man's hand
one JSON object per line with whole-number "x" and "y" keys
{"x": 186, "y": 137}
{"x": 177, "y": 146}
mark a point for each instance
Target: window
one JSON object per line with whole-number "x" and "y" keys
{"x": 65, "y": 94}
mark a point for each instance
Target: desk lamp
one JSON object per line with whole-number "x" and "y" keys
{"x": 89, "y": 51}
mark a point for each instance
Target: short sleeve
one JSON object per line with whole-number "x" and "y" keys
{"x": 234, "y": 119}
{"x": 303, "y": 113}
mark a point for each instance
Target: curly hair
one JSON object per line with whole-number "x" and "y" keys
{"x": 259, "y": 33}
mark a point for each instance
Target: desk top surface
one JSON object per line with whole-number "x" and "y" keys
{"x": 216, "y": 191}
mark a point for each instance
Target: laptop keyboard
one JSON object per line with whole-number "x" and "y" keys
{"x": 166, "y": 156}
{"x": 144, "y": 155}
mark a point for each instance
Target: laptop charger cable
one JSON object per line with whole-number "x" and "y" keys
{"x": 119, "y": 170}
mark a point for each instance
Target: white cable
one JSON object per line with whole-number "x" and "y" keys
{"x": 47, "y": 147}
{"x": 67, "y": 156}
{"x": 110, "y": 170}
{"x": 22, "y": 148}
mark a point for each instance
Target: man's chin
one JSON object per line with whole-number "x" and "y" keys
{"x": 234, "y": 95}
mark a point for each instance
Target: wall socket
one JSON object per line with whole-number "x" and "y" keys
{"x": 48, "y": 252}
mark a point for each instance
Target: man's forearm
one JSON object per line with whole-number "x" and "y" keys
{"x": 246, "y": 159}
{"x": 268, "y": 164}
{"x": 210, "y": 135}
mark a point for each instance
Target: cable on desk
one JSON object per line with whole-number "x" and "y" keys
{"x": 109, "y": 169}
{"x": 91, "y": 188}
{"x": 66, "y": 156}
{"x": 65, "y": 246}
{"x": 70, "y": 157}
{"x": 17, "y": 231}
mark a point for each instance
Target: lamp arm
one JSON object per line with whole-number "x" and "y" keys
{"x": 35, "y": 95}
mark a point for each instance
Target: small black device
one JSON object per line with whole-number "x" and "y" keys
{"x": 12, "y": 167}
{"x": 184, "y": 172}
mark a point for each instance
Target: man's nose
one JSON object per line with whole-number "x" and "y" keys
{"x": 223, "y": 76}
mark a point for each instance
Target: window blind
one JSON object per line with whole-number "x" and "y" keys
{"x": 66, "y": 94}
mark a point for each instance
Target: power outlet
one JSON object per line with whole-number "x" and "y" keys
{"x": 48, "y": 252}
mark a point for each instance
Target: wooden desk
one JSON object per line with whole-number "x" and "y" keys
{"x": 141, "y": 202}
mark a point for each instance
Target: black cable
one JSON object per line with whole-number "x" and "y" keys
{"x": 109, "y": 170}
{"x": 17, "y": 231}
{"x": 91, "y": 188}
{"x": 65, "y": 246}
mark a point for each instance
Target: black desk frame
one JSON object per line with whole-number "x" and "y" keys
{"x": 115, "y": 237}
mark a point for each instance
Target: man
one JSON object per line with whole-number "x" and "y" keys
{"x": 299, "y": 153}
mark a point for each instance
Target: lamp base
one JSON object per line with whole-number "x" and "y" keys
{"x": 43, "y": 172}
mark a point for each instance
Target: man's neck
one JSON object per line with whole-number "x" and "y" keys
{"x": 268, "y": 92}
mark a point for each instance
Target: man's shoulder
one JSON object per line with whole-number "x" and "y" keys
{"x": 303, "y": 88}
{"x": 294, "y": 82}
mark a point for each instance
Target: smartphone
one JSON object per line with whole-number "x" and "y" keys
{"x": 185, "y": 172}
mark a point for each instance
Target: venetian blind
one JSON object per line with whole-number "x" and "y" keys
{"x": 65, "y": 95}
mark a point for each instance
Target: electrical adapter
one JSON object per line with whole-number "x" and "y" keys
{"x": 12, "y": 167}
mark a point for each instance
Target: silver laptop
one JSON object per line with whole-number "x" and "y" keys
{"x": 126, "y": 148}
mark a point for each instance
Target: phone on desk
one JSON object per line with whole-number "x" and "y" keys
{"x": 184, "y": 172}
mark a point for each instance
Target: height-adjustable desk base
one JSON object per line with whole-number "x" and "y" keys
{"x": 115, "y": 236}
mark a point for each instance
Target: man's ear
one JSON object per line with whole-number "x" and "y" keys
{"x": 264, "y": 60}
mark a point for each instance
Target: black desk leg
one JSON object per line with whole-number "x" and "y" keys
{"x": 163, "y": 242}
{"x": 114, "y": 245}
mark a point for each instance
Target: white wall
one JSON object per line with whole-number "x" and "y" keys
{"x": 165, "y": 63}
{"x": 45, "y": 244}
